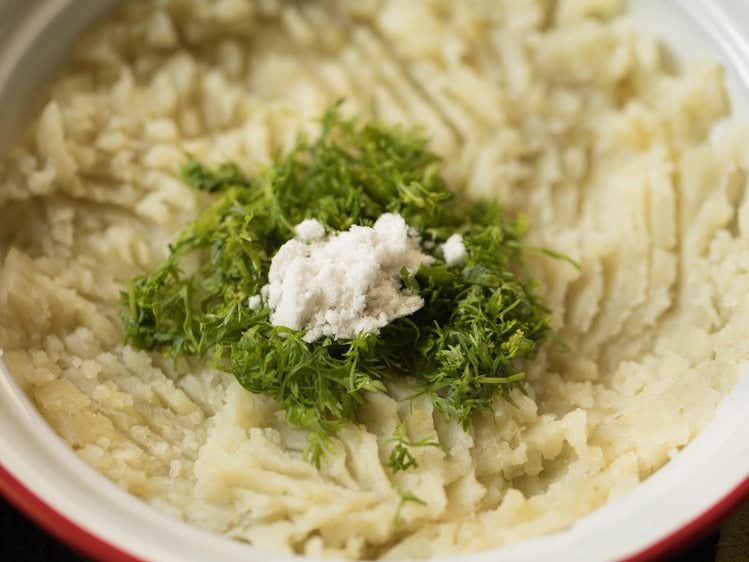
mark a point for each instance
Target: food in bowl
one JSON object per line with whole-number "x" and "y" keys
{"x": 562, "y": 112}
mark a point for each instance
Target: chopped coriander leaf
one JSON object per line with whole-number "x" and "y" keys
{"x": 481, "y": 318}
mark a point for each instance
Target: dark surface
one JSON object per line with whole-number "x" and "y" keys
{"x": 21, "y": 540}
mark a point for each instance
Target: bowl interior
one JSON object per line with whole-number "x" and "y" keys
{"x": 32, "y": 41}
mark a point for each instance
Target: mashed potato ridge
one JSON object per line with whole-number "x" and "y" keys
{"x": 559, "y": 109}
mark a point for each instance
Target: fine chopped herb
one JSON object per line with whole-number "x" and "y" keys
{"x": 401, "y": 457}
{"x": 463, "y": 348}
{"x": 405, "y": 497}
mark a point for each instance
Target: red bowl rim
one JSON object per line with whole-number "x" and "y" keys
{"x": 89, "y": 544}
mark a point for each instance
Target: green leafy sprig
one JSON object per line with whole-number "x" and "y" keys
{"x": 464, "y": 348}
{"x": 401, "y": 457}
{"x": 404, "y": 498}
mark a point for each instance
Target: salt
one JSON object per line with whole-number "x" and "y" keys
{"x": 454, "y": 251}
{"x": 346, "y": 283}
{"x": 255, "y": 302}
{"x": 309, "y": 230}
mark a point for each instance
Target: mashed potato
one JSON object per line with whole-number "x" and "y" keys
{"x": 560, "y": 109}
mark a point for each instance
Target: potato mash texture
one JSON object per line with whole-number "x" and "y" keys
{"x": 560, "y": 109}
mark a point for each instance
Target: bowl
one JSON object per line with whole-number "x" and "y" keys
{"x": 44, "y": 478}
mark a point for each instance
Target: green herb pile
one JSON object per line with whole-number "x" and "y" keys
{"x": 463, "y": 348}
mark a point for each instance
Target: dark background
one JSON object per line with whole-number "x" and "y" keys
{"x": 21, "y": 540}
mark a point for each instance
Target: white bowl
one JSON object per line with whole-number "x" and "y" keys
{"x": 43, "y": 477}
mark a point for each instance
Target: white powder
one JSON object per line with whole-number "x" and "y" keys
{"x": 255, "y": 302}
{"x": 309, "y": 230}
{"x": 454, "y": 251}
{"x": 346, "y": 283}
